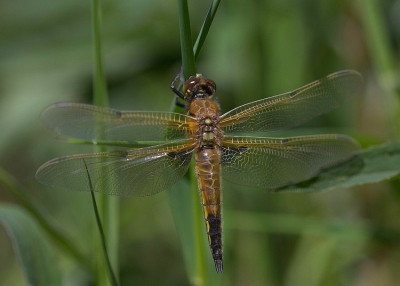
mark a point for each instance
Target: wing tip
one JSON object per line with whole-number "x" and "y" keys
{"x": 354, "y": 73}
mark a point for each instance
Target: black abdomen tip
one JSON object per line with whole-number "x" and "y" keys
{"x": 219, "y": 267}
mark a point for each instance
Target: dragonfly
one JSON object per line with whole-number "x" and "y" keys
{"x": 216, "y": 143}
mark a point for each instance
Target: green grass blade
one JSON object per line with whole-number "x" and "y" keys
{"x": 109, "y": 206}
{"x": 184, "y": 197}
{"x": 205, "y": 28}
{"x": 33, "y": 250}
{"x": 199, "y": 232}
{"x": 111, "y": 274}
{"x": 188, "y": 61}
{"x": 183, "y": 217}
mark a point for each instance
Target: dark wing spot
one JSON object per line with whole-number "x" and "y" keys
{"x": 118, "y": 113}
{"x": 176, "y": 155}
{"x": 243, "y": 149}
{"x": 123, "y": 153}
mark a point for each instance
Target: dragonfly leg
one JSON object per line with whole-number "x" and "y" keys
{"x": 174, "y": 89}
{"x": 179, "y": 104}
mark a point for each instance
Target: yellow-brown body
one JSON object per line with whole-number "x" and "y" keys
{"x": 215, "y": 141}
{"x": 208, "y": 136}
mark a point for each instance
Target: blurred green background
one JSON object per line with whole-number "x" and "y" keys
{"x": 255, "y": 49}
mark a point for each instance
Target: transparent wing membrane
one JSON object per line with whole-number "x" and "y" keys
{"x": 252, "y": 161}
{"x": 89, "y": 122}
{"x": 293, "y": 108}
{"x": 132, "y": 173}
{"x": 270, "y": 163}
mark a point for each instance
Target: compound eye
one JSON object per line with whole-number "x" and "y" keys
{"x": 189, "y": 84}
{"x": 209, "y": 87}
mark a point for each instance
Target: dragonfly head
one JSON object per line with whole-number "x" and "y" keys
{"x": 199, "y": 86}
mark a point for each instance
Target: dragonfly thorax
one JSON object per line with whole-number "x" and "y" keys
{"x": 207, "y": 131}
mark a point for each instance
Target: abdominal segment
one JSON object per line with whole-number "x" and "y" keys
{"x": 208, "y": 173}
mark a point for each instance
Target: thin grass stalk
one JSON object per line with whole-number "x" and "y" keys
{"x": 108, "y": 206}
{"x": 205, "y": 28}
{"x": 113, "y": 279}
{"x": 197, "y": 270}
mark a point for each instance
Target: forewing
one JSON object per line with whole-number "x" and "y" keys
{"x": 295, "y": 107}
{"x": 132, "y": 173}
{"x": 90, "y": 122}
{"x": 271, "y": 163}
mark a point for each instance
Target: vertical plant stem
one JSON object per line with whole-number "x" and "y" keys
{"x": 108, "y": 206}
{"x": 200, "y": 276}
{"x": 188, "y": 62}
{"x": 113, "y": 279}
{"x": 196, "y": 266}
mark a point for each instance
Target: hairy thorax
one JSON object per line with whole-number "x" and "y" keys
{"x": 207, "y": 132}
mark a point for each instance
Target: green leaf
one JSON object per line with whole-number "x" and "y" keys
{"x": 108, "y": 206}
{"x": 179, "y": 192}
{"x": 372, "y": 165}
{"x": 34, "y": 252}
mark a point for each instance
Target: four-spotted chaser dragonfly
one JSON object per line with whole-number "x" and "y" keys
{"x": 213, "y": 139}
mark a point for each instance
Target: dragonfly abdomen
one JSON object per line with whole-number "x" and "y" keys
{"x": 208, "y": 173}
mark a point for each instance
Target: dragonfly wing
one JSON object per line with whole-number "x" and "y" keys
{"x": 271, "y": 163}
{"x": 90, "y": 122}
{"x": 295, "y": 107}
{"x": 135, "y": 173}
